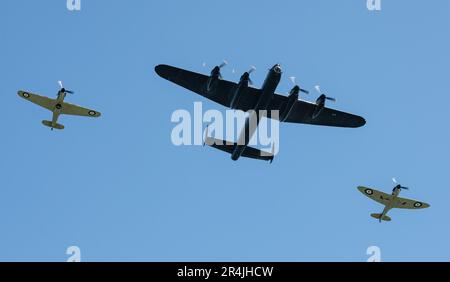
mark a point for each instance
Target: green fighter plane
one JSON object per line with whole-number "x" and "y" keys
{"x": 57, "y": 106}
{"x": 391, "y": 201}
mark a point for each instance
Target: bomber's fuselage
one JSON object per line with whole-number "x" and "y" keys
{"x": 252, "y": 121}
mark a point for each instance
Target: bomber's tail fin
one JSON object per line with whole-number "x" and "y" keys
{"x": 229, "y": 147}
{"x": 49, "y": 124}
{"x": 378, "y": 216}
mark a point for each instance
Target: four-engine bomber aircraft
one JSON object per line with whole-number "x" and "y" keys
{"x": 57, "y": 106}
{"x": 242, "y": 96}
{"x": 391, "y": 201}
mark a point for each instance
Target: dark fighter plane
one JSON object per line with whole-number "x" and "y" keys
{"x": 243, "y": 96}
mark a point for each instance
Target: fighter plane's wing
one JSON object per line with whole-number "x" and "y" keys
{"x": 70, "y": 109}
{"x": 375, "y": 195}
{"x": 303, "y": 113}
{"x": 402, "y": 203}
{"x": 196, "y": 82}
{"x": 42, "y": 101}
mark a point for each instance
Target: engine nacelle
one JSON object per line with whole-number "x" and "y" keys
{"x": 243, "y": 84}
{"x": 320, "y": 104}
{"x": 211, "y": 84}
{"x": 321, "y": 100}
{"x": 290, "y": 103}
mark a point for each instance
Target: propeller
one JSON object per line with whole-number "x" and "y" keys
{"x": 224, "y": 63}
{"x": 252, "y": 69}
{"x": 400, "y": 186}
{"x": 219, "y": 67}
{"x": 63, "y": 89}
{"x": 292, "y": 79}
{"x": 317, "y": 87}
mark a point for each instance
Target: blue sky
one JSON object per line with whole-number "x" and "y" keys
{"x": 117, "y": 187}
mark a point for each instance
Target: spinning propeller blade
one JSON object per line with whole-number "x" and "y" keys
{"x": 63, "y": 89}
{"x": 317, "y": 87}
{"x": 396, "y": 183}
{"x": 292, "y": 79}
{"x": 224, "y": 63}
{"x": 252, "y": 69}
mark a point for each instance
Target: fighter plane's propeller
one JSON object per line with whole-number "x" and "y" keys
{"x": 292, "y": 79}
{"x": 398, "y": 185}
{"x": 322, "y": 95}
{"x": 63, "y": 89}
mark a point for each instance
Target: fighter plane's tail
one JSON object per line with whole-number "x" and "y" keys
{"x": 49, "y": 124}
{"x": 249, "y": 152}
{"x": 378, "y": 216}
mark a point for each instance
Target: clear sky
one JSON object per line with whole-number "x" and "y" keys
{"x": 117, "y": 187}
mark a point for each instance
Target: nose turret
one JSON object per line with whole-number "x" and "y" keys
{"x": 277, "y": 68}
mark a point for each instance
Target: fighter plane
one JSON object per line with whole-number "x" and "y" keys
{"x": 57, "y": 106}
{"x": 243, "y": 96}
{"x": 391, "y": 201}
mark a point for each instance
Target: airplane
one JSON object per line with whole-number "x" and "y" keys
{"x": 243, "y": 96}
{"x": 391, "y": 201}
{"x": 57, "y": 106}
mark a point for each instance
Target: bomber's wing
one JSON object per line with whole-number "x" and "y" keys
{"x": 375, "y": 195}
{"x": 70, "y": 109}
{"x": 196, "y": 82}
{"x": 42, "y": 101}
{"x": 303, "y": 113}
{"x": 402, "y": 203}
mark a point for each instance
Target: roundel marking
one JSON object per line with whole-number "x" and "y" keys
{"x": 26, "y": 95}
{"x": 368, "y": 191}
{"x": 92, "y": 113}
{"x": 417, "y": 204}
